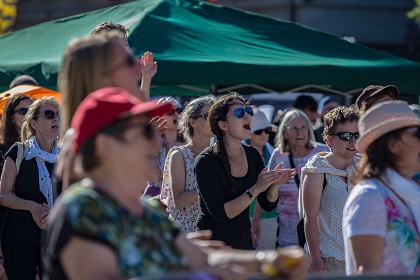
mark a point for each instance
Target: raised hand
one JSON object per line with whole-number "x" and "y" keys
{"x": 159, "y": 125}
{"x": 267, "y": 178}
{"x": 148, "y": 65}
{"x": 287, "y": 174}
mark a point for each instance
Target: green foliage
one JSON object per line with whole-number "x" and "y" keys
{"x": 415, "y": 12}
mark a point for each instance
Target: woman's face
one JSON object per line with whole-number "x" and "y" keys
{"x": 124, "y": 70}
{"x": 407, "y": 149}
{"x": 202, "y": 126}
{"x": 17, "y": 116}
{"x": 47, "y": 123}
{"x": 260, "y": 137}
{"x": 297, "y": 132}
{"x": 345, "y": 149}
{"x": 172, "y": 119}
{"x": 237, "y": 126}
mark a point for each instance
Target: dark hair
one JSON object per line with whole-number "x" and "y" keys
{"x": 378, "y": 157}
{"x": 304, "y": 102}
{"x": 339, "y": 115}
{"x": 87, "y": 154}
{"x": 217, "y": 113}
{"x": 373, "y": 100}
{"x": 23, "y": 80}
{"x": 9, "y": 134}
{"x": 109, "y": 25}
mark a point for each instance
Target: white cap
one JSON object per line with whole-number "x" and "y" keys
{"x": 259, "y": 121}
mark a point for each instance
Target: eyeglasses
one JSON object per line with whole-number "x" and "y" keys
{"x": 240, "y": 112}
{"x": 22, "y": 111}
{"x": 260, "y": 131}
{"x": 130, "y": 61}
{"x": 177, "y": 110}
{"x": 296, "y": 129}
{"x": 50, "y": 114}
{"x": 346, "y": 136}
{"x": 204, "y": 116}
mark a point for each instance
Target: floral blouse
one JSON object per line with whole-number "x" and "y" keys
{"x": 143, "y": 244}
{"x": 185, "y": 218}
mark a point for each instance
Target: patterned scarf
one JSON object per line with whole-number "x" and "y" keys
{"x": 41, "y": 156}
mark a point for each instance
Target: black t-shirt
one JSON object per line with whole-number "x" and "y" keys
{"x": 215, "y": 189}
{"x": 20, "y": 225}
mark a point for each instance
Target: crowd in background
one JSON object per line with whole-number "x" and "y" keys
{"x": 113, "y": 185}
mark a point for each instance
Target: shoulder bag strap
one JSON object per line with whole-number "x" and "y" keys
{"x": 292, "y": 165}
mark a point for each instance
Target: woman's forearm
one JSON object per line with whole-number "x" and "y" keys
{"x": 185, "y": 198}
{"x": 273, "y": 193}
{"x": 10, "y": 200}
{"x": 236, "y": 206}
{"x": 312, "y": 237}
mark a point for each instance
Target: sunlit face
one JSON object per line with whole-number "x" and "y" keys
{"x": 297, "y": 132}
{"x": 260, "y": 137}
{"x": 47, "y": 123}
{"x": 172, "y": 119}
{"x": 202, "y": 126}
{"x": 124, "y": 70}
{"x": 18, "y": 116}
{"x": 237, "y": 127}
{"x": 345, "y": 149}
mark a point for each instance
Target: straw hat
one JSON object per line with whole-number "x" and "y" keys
{"x": 383, "y": 118}
{"x": 259, "y": 121}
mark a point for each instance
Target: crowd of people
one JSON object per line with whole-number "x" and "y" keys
{"x": 111, "y": 185}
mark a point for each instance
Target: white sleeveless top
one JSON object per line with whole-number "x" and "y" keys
{"x": 333, "y": 199}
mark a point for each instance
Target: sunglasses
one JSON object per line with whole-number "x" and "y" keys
{"x": 22, "y": 111}
{"x": 177, "y": 110}
{"x": 346, "y": 136}
{"x": 148, "y": 130}
{"x": 204, "y": 116}
{"x": 240, "y": 112}
{"x": 50, "y": 114}
{"x": 260, "y": 131}
{"x": 130, "y": 61}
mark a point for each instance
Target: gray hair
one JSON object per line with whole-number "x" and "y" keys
{"x": 293, "y": 114}
{"x": 192, "y": 110}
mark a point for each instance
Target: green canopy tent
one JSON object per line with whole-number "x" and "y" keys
{"x": 200, "y": 46}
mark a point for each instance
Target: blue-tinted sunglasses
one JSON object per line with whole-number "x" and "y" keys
{"x": 240, "y": 112}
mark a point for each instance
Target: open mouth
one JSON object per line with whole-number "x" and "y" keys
{"x": 55, "y": 126}
{"x": 351, "y": 149}
{"x": 247, "y": 126}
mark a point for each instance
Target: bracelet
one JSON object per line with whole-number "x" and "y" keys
{"x": 249, "y": 194}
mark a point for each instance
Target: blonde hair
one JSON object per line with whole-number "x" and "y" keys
{"x": 84, "y": 63}
{"x": 33, "y": 114}
{"x": 293, "y": 114}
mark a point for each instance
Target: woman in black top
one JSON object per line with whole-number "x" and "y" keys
{"x": 28, "y": 191}
{"x": 231, "y": 175}
{"x": 11, "y": 122}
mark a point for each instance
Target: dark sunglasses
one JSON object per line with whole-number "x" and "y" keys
{"x": 148, "y": 130}
{"x": 260, "y": 131}
{"x": 346, "y": 136}
{"x": 50, "y": 114}
{"x": 177, "y": 110}
{"x": 130, "y": 61}
{"x": 22, "y": 111}
{"x": 204, "y": 116}
{"x": 240, "y": 112}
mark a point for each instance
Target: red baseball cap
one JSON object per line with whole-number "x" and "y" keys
{"x": 104, "y": 106}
